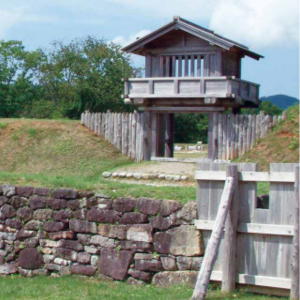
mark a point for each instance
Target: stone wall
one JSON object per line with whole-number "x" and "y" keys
{"x": 64, "y": 231}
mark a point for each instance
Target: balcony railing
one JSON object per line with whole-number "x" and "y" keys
{"x": 191, "y": 87}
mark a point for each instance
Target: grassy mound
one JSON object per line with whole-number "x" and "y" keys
{"x": 280, "y": 145}
{"x": 65, "y": 154}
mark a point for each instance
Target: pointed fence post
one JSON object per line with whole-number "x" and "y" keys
{"x": 212, "y": 248}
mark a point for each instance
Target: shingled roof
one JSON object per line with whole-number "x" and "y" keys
{"x": 195, "y": 30}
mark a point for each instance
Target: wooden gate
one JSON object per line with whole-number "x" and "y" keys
{"x": 265, "y": 230}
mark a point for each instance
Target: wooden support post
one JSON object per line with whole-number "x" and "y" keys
{"x": 229, "y": 257}
{"x": 212, "y": 248}
{"x": 154, "y": 134}
{"x": 160, "y": 135}
{"x": 169, "y": 135}
{"x": 295, "y": 265}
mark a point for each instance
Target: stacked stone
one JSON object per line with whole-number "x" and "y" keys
{"x": 63, "y": 231}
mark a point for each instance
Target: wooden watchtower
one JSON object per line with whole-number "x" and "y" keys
{"x": 188, "y": 69}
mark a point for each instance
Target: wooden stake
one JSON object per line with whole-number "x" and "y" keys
{"x": 229, "y": 257}
{"x": 212, "y": 248}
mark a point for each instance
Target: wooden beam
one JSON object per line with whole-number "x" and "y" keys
{"x": 153, "y": 134}
{"x": 212, "y": 248}
{"x": 247, "y": 176}
{"x": 229, "y": 257}
{"x": 184, "y": 109}
{"x": 295, "y": 265}
{"x": 267, "y": 281}
{"x": 252, "y": 228}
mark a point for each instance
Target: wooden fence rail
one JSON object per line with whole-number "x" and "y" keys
{"x": 231, "y": 135}
{"x": 266, "y": 237}
{"x": 123, "y": 130}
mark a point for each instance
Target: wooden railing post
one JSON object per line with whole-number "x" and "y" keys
{"x": 295, "y": 264}
{"x": 212, "y": 248}
{"x": 229, "y": 257}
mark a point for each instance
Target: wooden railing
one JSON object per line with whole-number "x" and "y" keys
{"x": 191, "y": 87}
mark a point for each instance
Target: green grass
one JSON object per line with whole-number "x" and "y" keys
{"x": 65, "y": 154}
{"x": 3, "y": 125}
{"x": 75, "y": 287}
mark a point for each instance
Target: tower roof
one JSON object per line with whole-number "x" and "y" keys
{"x": 200, "y": 32}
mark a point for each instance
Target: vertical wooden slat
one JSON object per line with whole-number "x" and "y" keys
{"x": 295, "y": 265}
{"x": 179, "y": 66}
{"x": 167, "y": 66}
{"x": 192, "y": 66}
{"x": 153, "y": 134}
{"x": 186, "y": 66}
{"x": 161, "y": 66}
{"x": 229, "y": 263}
{"x": 169, "y": 135}
{"x": 199, "y": 66}
{"x": 174, "y": 66}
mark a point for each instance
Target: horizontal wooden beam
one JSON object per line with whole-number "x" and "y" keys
{"x": 184, "y": 109}
{"x": 247, "y": 176}
{"x": 252, "y": 228}
{"x": 267, "y": 281}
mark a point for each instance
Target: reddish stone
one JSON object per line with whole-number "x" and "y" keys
{"x": 103, "y": 215}
{"x": 53, "y": 226}
{"x": 42, "y": 191}
{"x": 73, "y": 204}
{"x": 133, "y": 218}
{"x": 31, "y": 242}
{"x": 7, "y": 211}
{"x": 23, "y": 234}
{"x": 30, "y": 258}
{"x": 152, "y": 265}
{"x": 124, "y": 204}
{"x": 65, "y": 194}
{"x": 38, "y": 202}
{"x": 83, "y": 270}
{"x": 82, "y": 226}
{"x": 115, "y": 263}
{"x": 83, "y": 257}
{"x": 17, "y": 201}
{"x": 56, "y": 203}
{"x": 69, "y": 244}
{"x": 161, "y": 223}
{"x": 80, "y": 214}
{"x": 61, "y": 235}
{"x": 62, "y": 215}
{"x": 168, "y": 207}
{"x": 66, "y": 253}
{"x": 140, "y": 275}
{"x": 24, "y": 191}
{"x": 13, "y": 223}
{"x": 162, "y": 241}
{"x": 148, "y": 206}
{"x": 33, "y": 225}
{"x": 136, "y": 246}
{"x": 85, "y": 194}
{"x": 24, "y": 213}
{"x": 113, "y": 231}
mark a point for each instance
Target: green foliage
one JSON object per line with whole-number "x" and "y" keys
{"x": 265, "y": 106}
{"x": 191, "y": 128}
{"x": 63, "y": 81}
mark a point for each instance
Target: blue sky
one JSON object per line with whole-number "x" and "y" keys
{"x": 269, "y": 27}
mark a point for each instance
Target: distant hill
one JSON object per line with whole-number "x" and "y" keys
{"x": 282, "y": 101}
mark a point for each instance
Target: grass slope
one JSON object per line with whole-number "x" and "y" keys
{"x": 75, "y": 287}
{"x": 280, "y": 145}
{"x": 66, "y": 154}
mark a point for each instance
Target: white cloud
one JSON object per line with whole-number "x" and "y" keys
{"x": 123, "y": 41}
{"x": 257, "y": 23}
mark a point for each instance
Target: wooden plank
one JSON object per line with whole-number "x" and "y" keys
{"x": 229, "y": 261}
{"x": 214, "y": 242}
{"x": 267, "y": 281}
{"x": 295, "y": 264}
{"x": 199, "y": 66}
{"x": 192, "y": 66}
{"x": 252, "y": 228}
{"x": 186, "y": 66}
{"x": 179, "y": 66}
{"x": 247, "y": 176}
{"x": 184, "y": 109}
{"x": 153, "y": 134}
{"x": 174, "y": 66}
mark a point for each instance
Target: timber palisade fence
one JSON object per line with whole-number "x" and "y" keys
{"x": 123, "y": 130}
{"x": 229, "y": 135}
